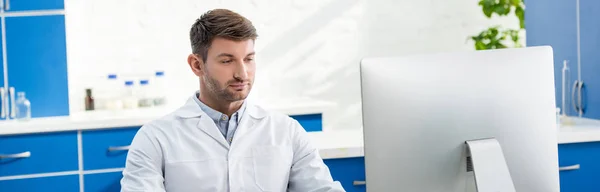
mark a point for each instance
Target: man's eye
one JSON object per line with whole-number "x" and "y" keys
{"x": 250, "y": 59}
{"x": 226, "y": 61}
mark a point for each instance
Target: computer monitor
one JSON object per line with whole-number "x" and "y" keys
{"x": 419, "y": 110}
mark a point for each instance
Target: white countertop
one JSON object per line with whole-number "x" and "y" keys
{"x": 579, "y": 130}
{"x": 136, "y": 117}
{"x": 332, "y": 144}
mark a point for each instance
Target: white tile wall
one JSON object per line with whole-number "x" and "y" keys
{"x": 306, "y": 48}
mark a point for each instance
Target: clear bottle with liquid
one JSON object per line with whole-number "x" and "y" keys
{"x": 566, "y": 103}
{"x": 22, "y": 107}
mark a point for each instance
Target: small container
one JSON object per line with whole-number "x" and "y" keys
{"x": 145, "y": 99}
{"x": 89, "y": 100}
{"x": 22, "y": 107}
{"x": 159, "y": 96}
{"x": 110, "y": 95}
{"x": 129, "y": 99}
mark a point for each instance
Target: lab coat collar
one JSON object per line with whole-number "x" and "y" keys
{"x": 191, "y": 110}
{"x": 249, "y": 118}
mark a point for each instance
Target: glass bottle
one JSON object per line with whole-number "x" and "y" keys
{"x": 22, "y": 107}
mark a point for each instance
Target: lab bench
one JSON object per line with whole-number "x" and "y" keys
{"x": 88, "y": 152}
{"x": 92, "y": 159}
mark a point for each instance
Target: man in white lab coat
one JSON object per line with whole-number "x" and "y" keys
{"x": 218, "y": 141}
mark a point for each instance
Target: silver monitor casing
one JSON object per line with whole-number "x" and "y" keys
{"x": 419, "y": 110}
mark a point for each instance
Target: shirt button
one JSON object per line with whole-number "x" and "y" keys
{"x": 224, "y": 117}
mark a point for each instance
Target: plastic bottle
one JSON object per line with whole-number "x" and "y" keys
{"x": 23, "y": 107}
{"x": 145, "y": 99}
{"x": 565, "y": 118}
{"x": 111, "y": 96}
{"x": 159, "y": 95}
{"x": 129, "y": 100}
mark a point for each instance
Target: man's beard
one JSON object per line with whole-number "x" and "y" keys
{"x": 222, "y": 93}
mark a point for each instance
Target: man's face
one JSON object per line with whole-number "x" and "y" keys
{"x": 229, "y": 69}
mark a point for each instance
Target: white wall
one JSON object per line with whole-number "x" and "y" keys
{"x": 306, "y": 48}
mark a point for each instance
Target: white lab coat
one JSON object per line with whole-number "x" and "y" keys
{"x": 184, "y": 151}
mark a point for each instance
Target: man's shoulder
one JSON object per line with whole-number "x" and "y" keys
{"x": 160, "y": 124}
{"x": 271, "y": 113}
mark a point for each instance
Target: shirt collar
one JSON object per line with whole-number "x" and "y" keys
{"x": 216, "y": 115}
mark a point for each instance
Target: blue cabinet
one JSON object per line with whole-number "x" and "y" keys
{"x": 554, "y": 23}
{"x": 37, "y": 62}
{"x": 49, "y": 152}
{"x": 32, "y": 5}
{"x": 106, "y": 149}
{"x": 102, "y": 182}
{"x": 310, "y": 122}
{"x": 587, "y": 156}
{"x": 68, "y": 183}
{"x": 348, "y": 171}
{"x": 589, "y": 11}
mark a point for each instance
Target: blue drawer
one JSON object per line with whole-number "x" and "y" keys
{"x": 102, "y": 182}
{"x": 68, "y": 183}
{"x": 585, "y": 179}
{"x": 348, "y": 170}
{"x": 310, "y": 122}
{"x": 49, "y": 152}
{"x": 96, "y": 144}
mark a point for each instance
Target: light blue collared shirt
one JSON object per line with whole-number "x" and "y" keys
{"x": 227, "y": 125}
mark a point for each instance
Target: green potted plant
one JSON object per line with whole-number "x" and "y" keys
{"x": 496, "y": 37}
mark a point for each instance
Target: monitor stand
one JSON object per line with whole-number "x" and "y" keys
{"x": 486, "y": 160}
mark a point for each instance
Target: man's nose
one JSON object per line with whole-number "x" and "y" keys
{"x": 241, "y": 71}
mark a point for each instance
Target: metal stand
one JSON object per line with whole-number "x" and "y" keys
{"x": 486, "y": 160}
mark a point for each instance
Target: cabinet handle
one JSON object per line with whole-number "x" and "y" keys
{"x": 569, "y": 168}
{"x": 16, "y": 155}
{"x": 573, "y": 100}
{"x": 3, "y": 103}
{"x": 359, "y": 183}
{"x": 13, "y": 110}
{"x": 119, "y": 148}
{"x": 579, "y": 98}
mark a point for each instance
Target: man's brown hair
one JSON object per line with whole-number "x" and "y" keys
{"x": 219, "y": 23}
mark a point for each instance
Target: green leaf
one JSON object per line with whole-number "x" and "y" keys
{"x": 515, "y": 3}
{"x": 479, "y": 45}
{"x": 500, "y": 9}
{"x": 488, "y": 12}
{"x": 520, "y": 12}
{"x": 488, "y": 3}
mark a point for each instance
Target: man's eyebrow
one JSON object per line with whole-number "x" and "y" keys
{"x": 251, "y": 54}
{"x": 225, "y": 55}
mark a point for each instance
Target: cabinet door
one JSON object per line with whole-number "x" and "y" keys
{"x": 105, "y": 149}
{"x": 48, "y": 152}
{"x": 37, "y": 62}
{"x": 587, "y": 156}
{"x": 102, "y": 182}
{"x": 590, "y": 58}
{"x": 33, "y": 5}
{"x": 348, "y": 171}
{"x": 4, "y": 87}
{"x": 554, "y": 23}
{"x": 69, "y": 183}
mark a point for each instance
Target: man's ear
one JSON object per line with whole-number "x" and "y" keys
{"x": 195, "y": 64}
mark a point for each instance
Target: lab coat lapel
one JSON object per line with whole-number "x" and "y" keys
{"x": 191, "y": 110}
{"x": 207, "y": 125}
{"x": 250, "y": 118}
